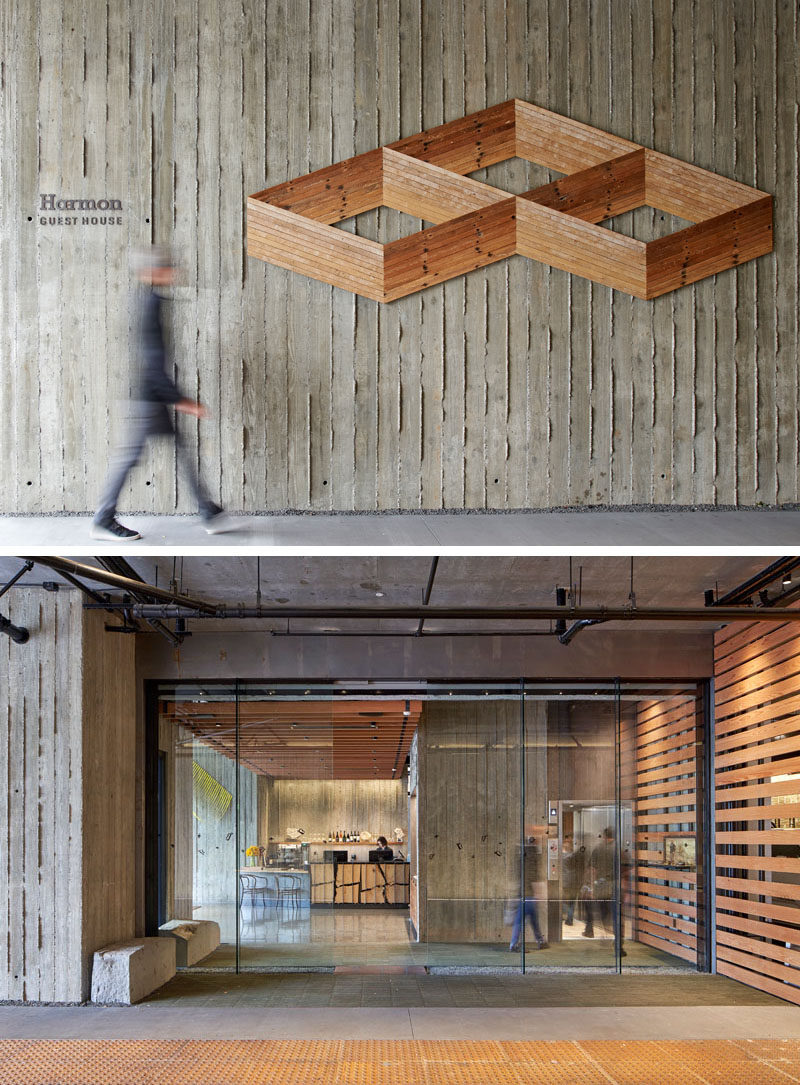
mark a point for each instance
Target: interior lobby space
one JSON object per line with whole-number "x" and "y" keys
{"x": 401, "y": 800}
{"x": 423, "y": 877}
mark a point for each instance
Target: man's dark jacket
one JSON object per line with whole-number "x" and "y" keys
{"x": 156, "y": 389}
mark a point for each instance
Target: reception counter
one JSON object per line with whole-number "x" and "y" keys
{"x": 360, "y": 884}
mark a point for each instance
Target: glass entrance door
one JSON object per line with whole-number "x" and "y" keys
{"x": 444, "y": 826}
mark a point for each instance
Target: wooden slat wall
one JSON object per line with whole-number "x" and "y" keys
{"x": 67, "y": 834}
{"x": 516, "y": 386}
{"x": 661, "y": 779}
{"x": 757, "y": 737}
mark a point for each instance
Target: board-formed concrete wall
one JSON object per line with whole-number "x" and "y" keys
{"x": 67, "y": 830}
{"x": 517, "y": 386}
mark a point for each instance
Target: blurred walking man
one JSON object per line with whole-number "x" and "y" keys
{"x": 155, "y": 393}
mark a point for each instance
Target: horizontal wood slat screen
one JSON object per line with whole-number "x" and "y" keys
{"x": 757, "y": 795}
{"x": 664, "y": 790}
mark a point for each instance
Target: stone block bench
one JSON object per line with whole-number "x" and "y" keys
{"x": 126, "y": 972}
{"x": 194, "y": 939}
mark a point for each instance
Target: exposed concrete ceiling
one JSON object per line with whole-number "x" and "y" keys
{"x": 401, "y": 581}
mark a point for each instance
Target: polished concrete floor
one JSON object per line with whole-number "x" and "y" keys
{"x": 624, "y": 528}
{"x": 423, "y": 1008}
{"x": 457, "y": 992}
{"x": 286, "y": 938}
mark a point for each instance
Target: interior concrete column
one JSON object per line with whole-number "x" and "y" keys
{"x": 66, "y": 796}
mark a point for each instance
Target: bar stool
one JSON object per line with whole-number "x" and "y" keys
{"x": 256, "y": 885}
{"x": 289, "y": 889}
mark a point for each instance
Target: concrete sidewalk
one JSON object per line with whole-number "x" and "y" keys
{"x": 151, "y": 1021}
{"x": 627, "y": 529}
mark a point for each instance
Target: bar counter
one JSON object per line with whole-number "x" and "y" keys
{"x": 360, "y": 884}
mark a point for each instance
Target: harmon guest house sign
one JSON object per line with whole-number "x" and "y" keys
{"x": 83, "y": 212}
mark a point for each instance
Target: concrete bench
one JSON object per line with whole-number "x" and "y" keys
{"x": 128, "y": 971}
{"x": 194, "y": 939}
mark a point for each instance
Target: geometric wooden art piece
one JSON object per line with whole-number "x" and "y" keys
{"x": 475, "y": 224}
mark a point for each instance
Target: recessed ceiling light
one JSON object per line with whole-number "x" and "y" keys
{"x": 379, "y": 595}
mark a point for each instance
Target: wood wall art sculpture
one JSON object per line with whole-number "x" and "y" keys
{"x": 475, "y": 224}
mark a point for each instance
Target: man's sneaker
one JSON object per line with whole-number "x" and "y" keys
{"x": 114, "y": 530}
{"x": 217, "y": 522}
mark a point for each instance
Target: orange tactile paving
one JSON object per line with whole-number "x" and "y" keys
{"x": 405, "y": 1062}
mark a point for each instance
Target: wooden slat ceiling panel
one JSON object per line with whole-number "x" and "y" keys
{"x": 306, "y": 740}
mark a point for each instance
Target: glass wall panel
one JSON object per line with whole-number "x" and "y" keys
{"x": 331, "y": 765}
{"x": 546, "y": 826}
{"x": 570, "y": 826}
{"x": 286, "y": 746}
{"x": 201, "y": 793}
{"x": 467, "y": 798}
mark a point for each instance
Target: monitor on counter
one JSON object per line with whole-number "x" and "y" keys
{"x": 334, "y": 856}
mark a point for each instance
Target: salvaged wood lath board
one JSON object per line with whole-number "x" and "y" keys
{"x": 474, "y": 224}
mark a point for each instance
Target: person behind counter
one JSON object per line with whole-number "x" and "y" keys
{"x": 383, "y": 852}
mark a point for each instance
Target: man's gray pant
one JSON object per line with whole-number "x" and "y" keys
{"x": 145, "y": 422}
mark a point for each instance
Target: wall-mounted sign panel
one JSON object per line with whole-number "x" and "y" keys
{"x": 292, "y": 224}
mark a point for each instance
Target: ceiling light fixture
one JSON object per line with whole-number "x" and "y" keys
{"x": 787, "y": 580}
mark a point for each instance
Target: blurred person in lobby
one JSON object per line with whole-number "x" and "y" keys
{"x": 602, "y": 904}
{"x": 154, "y": 393}
{"x": 573, "y": 864}
{"x": 532, "y": 889}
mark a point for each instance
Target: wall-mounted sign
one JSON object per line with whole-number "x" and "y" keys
{"x": 292, "y": 224}
{"x": 56, "y": 210}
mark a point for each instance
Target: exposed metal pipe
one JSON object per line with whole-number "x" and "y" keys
{"x": 105, "y": 603}
{"x": 371, "y": 633}
{"x": 576, "y": 627}
{"x": 426, "y": 597}
{"x": 26, "y": 568}
{"x": 18, "y": 633}
{"x": 561, "y": 601}
{"x": 531, "y": 614}
{"x": 195, "y": 607}
{"x": 762, "y": 579}
{"x": 121, "y": 567}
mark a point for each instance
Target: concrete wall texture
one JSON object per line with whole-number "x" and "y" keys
{"x": 517, "y": 386}
{"x": 67, "y": 826}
